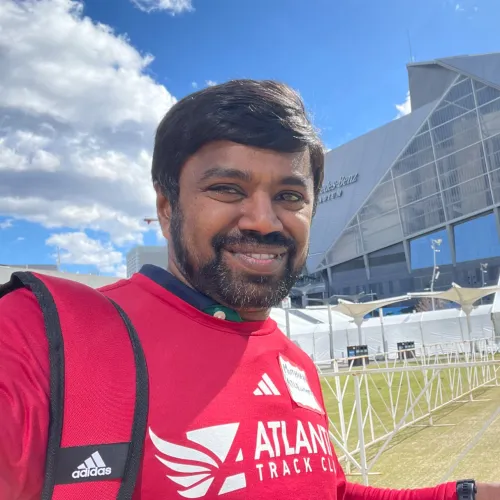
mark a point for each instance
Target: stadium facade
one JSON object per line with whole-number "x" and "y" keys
{"x": 433, "y": 174}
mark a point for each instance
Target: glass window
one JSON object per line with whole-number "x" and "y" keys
{"x": 353, "y": 222}
{"x": 416, "y": 185}
{"x": 459, "y": 90}
{"x": 467, "y": 198}
{"x": 422, "y": 215}
{"x": 492, "y": 150}
{"x": 477, "y": 239}
{"x": 478, "y": 85}
{"x": 421, "y": 252}
{"x": 419, "y": 143}
{"x": 424, "y": 128}
{"x": 448, "y": 111}
{"x": 489, "y": 116}
{"x": 461, "y": 166}
{"x": 387, "y": 177}
{"x": 382, "y": 200}
{"x": 495, "y": 185}
{"x": 417, "y": 154}
{"x": 486, "y": 94}
{"x": 381, "y": 231}
{"x": 347, "y": 246}
{"x": 457, "y": 134}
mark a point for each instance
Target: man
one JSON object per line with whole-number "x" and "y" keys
{"x": 235, "y": 408}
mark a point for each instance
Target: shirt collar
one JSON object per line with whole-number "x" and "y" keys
{"x": 190, "y": 295}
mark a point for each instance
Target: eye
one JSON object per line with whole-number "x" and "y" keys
{"x": 291, "y": 197}
{"x": 225, "y": 191}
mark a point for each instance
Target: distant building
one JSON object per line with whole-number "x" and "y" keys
{"x": 140, "y": 255}
{"x": 87, "y": 279}
{"x": 431, "y": 177}
{"x": 33, "y": 267}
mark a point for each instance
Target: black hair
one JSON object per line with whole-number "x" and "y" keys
{"x": 263, "y": 114}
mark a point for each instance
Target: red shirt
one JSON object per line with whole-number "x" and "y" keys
{"x": 236, "y": 409}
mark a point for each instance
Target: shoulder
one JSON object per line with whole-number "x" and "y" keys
{"x": 114, "y": 287}
{"x": 20, "y": 309}
{"x": 22, "y": 327}
{"x": 24, "y": 395}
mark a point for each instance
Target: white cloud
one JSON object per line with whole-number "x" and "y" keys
{"x": 78, "y": 111}
{"x": 6, "y": 224}
{"x": 79, "y": 248}
{"x": 57, "y": 214}
{"x": 20, "y": 238}
{"x": 171, "y": 6}
{"x": 210, "y": 83}
{"x": 194, "y": 85}
{"x": 405, "y": 107}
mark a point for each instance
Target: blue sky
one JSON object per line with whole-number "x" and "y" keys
{"x": 75, "y": 146}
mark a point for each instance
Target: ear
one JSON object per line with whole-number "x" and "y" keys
{"x": 164, "y": 211}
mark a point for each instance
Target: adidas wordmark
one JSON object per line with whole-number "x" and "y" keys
{"x": 92, "y": 467}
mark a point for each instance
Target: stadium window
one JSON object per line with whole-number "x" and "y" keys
{"x": 477, "y": 239}
{"x": 422, "y": 255}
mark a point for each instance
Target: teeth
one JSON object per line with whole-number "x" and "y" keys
{"x": 261, "y": 256}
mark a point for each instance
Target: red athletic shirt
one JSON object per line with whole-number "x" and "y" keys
{"x": 236, "y": 409}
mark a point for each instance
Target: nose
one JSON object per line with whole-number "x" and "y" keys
{"x": 259, "y": 215}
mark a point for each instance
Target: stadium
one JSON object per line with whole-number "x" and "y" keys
{"x": 425, "y": 186}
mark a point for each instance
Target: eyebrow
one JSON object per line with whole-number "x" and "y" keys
{"x": 245, "y": 176}
{"x": 232, "y": 173}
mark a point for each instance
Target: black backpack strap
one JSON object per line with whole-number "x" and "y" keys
{"x": 96, "y": 435}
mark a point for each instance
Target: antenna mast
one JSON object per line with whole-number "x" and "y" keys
{"x": 412, "y": 59}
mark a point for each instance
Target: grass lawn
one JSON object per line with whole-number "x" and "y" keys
{"x": 420, "y": 456}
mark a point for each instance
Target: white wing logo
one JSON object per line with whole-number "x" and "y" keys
{"x": 193, "y": 470}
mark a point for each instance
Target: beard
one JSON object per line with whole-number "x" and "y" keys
{"x": 235, "y": 289}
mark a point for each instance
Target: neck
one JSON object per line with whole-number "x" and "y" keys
{"x": 255, "y": 315}
{"x": 245, "y": 314}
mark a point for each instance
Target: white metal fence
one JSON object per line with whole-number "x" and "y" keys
{"x": 369, "y": 404}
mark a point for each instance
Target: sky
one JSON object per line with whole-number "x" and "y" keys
{"x": 83, "y": 85}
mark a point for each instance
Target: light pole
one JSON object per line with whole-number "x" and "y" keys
{"x": 484, "y": 270}
{"x": 435, "y": 270}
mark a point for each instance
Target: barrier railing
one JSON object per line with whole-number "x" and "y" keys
{"x": 369, "y": 404}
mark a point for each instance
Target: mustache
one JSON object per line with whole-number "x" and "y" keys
{"x": 254, "y": 238}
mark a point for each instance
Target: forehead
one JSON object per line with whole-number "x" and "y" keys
{"x": 257, "y": 165}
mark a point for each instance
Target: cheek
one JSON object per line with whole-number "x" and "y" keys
{"x": 201, "y": 224}
{"x": 299, "y": 228}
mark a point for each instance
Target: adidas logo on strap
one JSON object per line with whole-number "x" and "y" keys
{"x": 92, "y": 467}
{"x": 266, "y": 387}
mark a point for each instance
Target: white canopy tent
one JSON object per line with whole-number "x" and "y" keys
{"x": 358, "y": 310}
{"x": 463, "y": 296}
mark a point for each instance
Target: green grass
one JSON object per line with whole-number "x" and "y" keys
{"x": 419, "y": 456}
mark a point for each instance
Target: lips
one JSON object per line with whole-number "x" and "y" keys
{"x": 258, "y": 254}
{"x": 258, "y": 260}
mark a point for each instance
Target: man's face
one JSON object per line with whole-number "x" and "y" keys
{"x": 240, "y": 231}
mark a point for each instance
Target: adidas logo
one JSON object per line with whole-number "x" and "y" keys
{"x": 92, "y": 467}
{"x": 266, "y": 387}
